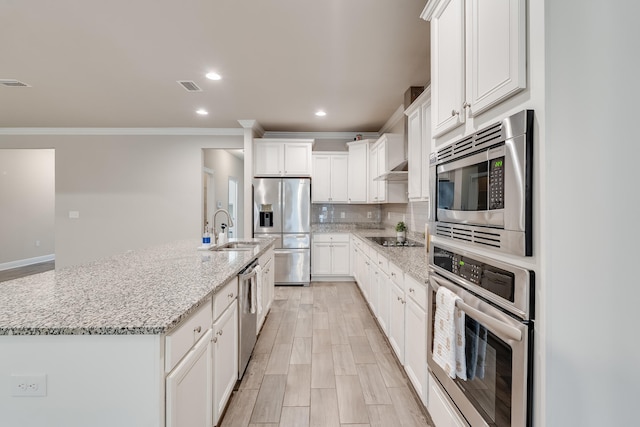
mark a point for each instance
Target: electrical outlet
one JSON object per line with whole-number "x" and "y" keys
{"x": 388, "y": 215}
{"x": 404, "y": 217}
{"x": 28, "y": 385}
{"x": 342, "y": 215}
{"x": 368, "y": 214}
{"x": 37, "y": 243}
{"x": 74, "y": 214}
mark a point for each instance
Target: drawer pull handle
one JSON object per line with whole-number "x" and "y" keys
{"x": 220, "y": 332}
{"x": 411, "y": 290}
{"x": 197, "y": 329}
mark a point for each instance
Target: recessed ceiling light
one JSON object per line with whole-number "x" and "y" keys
{"x": 202, "y": 112}
{"x": 320, "y": 113}
{"x": 213, "y": 76}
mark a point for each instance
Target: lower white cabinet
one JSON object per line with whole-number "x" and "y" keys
{"x": 415, "y": 362}
{"x": 225, "y": 358}
{"x": 267, "y": 283}
{"x": 396, "y": 318}
{"x": 188, "y": 387}
{"x": 330, "y": 254}
{"x": 441, "y": 410}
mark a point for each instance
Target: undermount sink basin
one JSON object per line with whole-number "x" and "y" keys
{"x": 236, "y": 246}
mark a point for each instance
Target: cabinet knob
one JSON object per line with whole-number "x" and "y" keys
{"x": 393, "y": 274}
{"x": 404, "y": 302}
{"x": 411, "y": 290}
{"x": 197, "y": 329}
{"x": 219, "y": 332}
{"x": 231, "y": 295}
{"x": 466, "y": 105}
{"x": 214, "y": 339}
{"x": 398, "y": 298}
{"x": 454, "y": 113}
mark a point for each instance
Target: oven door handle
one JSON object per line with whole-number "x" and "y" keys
{"x": 502, "y": 328}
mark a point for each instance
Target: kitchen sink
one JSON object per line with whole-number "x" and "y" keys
{"x": 236, "y": 246}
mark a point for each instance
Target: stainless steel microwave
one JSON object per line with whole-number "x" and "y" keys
{"x": 481, "y": 187}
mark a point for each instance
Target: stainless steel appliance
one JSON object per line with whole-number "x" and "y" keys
{"x": 393, "y": 242}
{"x": 497, "y": 300}
{"x": 482, "y": 187}
{"x": 247, "y": 317}
{"x": 282, "y": 209}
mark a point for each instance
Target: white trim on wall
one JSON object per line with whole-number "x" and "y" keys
{"x": 347, "y": 136}
{"x": 28, "y": 261}
{"x": 124, "y": 131}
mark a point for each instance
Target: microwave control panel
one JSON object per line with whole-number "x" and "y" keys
{"x": 496, "y": 183}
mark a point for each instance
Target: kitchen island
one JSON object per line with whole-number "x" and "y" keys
{"x": 100, "y": 333}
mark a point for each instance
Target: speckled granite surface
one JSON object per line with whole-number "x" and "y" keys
{"x": 412, "y": 261}
{"x": 145, "y": 291}
{"x": 343, "y": 227}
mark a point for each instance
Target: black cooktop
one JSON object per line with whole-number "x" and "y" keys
{"x": 392, "y": 242}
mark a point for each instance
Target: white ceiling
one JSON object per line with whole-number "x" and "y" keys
{"x": 115, "y": 63}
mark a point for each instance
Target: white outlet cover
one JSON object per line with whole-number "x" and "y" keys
{"x": 29, "y": 385}
{"x": 74, "y": 214}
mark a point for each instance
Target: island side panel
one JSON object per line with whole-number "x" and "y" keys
{"x": 92, "y": 380}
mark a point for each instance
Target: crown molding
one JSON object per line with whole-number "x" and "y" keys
{"x": 393, "y": 120}
{"x": 430, "y": 8}
{"x": 252, "y": 124}
{"x": 125, "y": 131}
{"x": 321, "y": 135}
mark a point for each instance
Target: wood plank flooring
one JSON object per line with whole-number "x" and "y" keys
{"x": 16, "y": 273}
{"x": 322, "y": 361}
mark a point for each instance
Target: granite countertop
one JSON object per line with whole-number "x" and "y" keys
{"x": 147, "y": 291}
{"x": 412, "y": 260}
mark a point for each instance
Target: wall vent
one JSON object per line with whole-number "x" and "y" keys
{"x": 12, "y": 83}
{"x": 189, "y": 86}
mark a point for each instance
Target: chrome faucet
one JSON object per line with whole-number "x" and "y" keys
{"x": 213, "y": 222}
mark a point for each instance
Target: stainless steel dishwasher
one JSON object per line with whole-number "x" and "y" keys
{"x": 247, "y": 316}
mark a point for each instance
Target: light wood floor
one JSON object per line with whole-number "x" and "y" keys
{"x": 321, "y": 360}
{"x": 16, "y": 273}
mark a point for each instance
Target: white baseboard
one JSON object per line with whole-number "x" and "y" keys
{"x": 27, "y": 261}
{"x": 323, "y": 278}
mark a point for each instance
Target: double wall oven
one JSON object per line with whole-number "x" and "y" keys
{"x": 481, "y": 200}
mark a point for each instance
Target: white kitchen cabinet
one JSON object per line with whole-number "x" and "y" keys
{"x": 416, "y": 335}
{"x": 386, "y": 153}
{"x": 330, "y": 178}
{"x": 225, "y": 358}
{"x": 419, "y": 146}
{"x": 290, "y": 157}
{"x": 478, "y": 57}
{"x": 267, "y": 278}
{"x": 384, "y": 296}
{"x": 188, "y": 387}
{"x": 330, "y": 254}
{"x": 441, "y": 410}
{"x": 397, "y": 303}
{"x": 358, "y": 170}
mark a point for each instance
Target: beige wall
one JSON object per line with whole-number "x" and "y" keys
{"x": 27, "y": 205}
{"x": 130, "y": 191}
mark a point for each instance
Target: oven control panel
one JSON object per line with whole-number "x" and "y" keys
{"x": 496, "y": 280}
{"x": 496, "y": 183}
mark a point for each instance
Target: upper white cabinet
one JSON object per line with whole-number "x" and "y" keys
{"x": 386, "y": 153}
{"x": 419, "y": 146}
{"x": 330, "y": 176}
{"x": 290, "y": 157}
{"x": 358, "y": 170}
{"x": 478, "y": 57}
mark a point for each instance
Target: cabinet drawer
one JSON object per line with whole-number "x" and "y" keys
{"x": 383, "y": 263}
{"x": 180, "y": 340}
{"x": 416, "y": 291}
{"x": 396, "y": 275}
{"x": 224, "y": 297}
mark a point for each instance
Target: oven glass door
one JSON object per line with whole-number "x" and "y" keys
{"x": 495, "y": 392}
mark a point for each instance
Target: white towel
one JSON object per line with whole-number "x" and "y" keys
{"x": 448, "y": 335}
{"x": 258, "y": 292}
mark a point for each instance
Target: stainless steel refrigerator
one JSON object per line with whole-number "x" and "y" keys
{"x": 282, "y": 209}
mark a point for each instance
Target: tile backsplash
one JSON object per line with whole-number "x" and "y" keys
{"x": 414, "y": 214}
{"x": 325, "y": 213}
